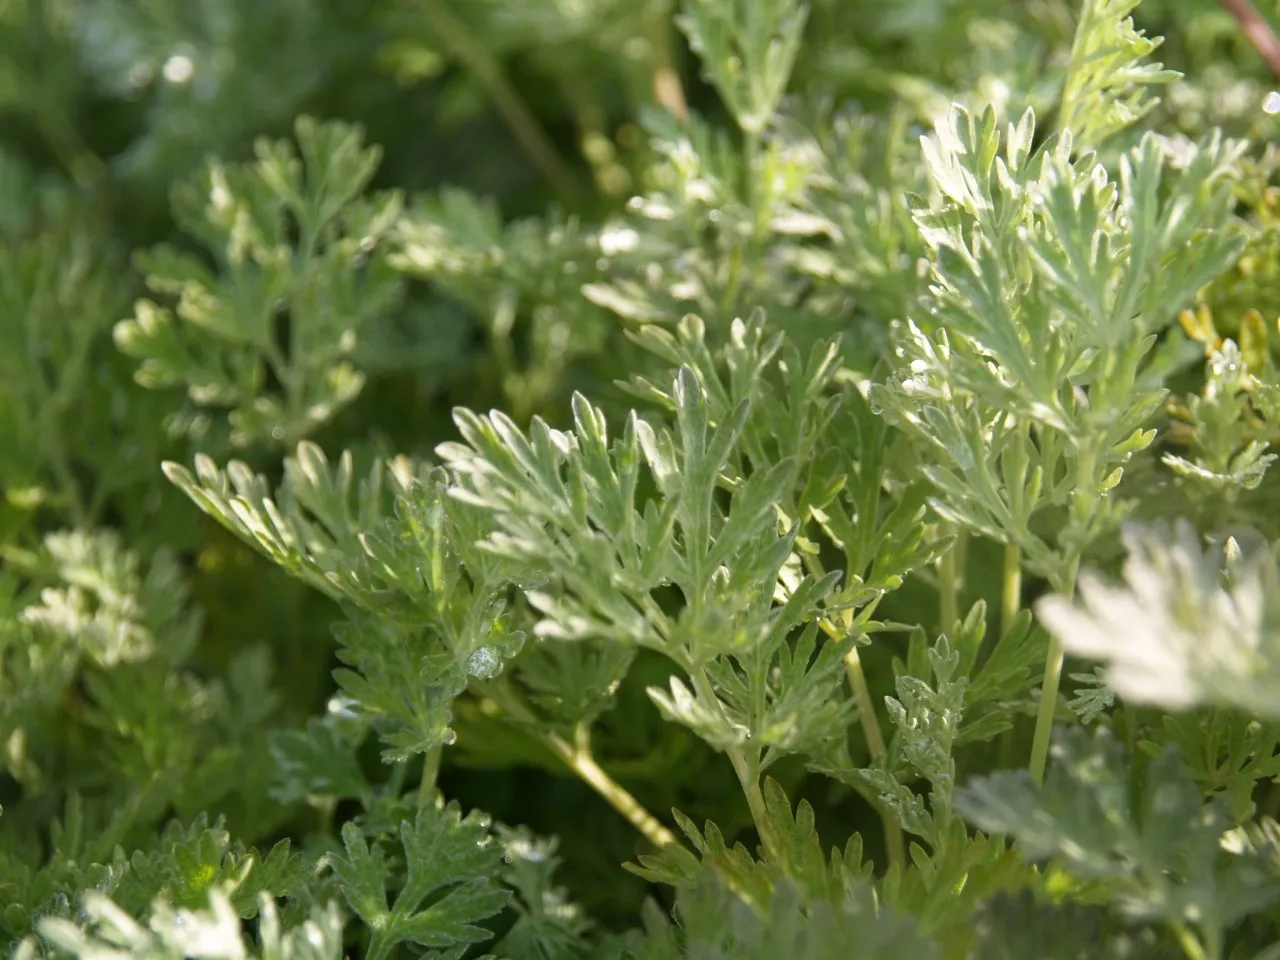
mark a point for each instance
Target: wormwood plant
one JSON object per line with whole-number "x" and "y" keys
{"x": 869, "y": 548}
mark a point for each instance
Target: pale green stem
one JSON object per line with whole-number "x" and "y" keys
{"x": 1048, "y": 705}
{"x": 1011, "y": 586}
{"x": 1190, "y": 944}
{"x": 858, "y": 681}
{"x": 893, "y": 840}
{"x": 380, "y": 946}
{"x": 853, "y": 665}
{"x": 326, "y": 808}
{"x": 742, "y": 764}
{"x": 578, "y": 758}
{"x": 949, "y": 586}
{"x": 1084, "y": 503}
{"x": 430, "y": 771}
{"x": 1049, "y": 689}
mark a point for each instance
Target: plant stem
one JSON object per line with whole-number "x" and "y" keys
{"x": 516, "y": 114}
{"x": 1048, "y": 706}
{"x": 1257, "y": 31}
{"x": 1084, "y": 503}
{"x": 1011, "y": 586}
{"x": 379, "y": 946}
{"x": 578, "y": 758}
{"x": 742, "y": 764}
{"x": 1049, "y": 689}
{"x": 858, "y": 681}
{"x": 430, "y": 771}
{"x": 949, "y": 586}
{"x": 893, "y": 840}
{"x": 325, "y": 810}
{"x": 751, "y": 789}
{"x": 1190, "y": 944}
{"x": 875, "y": 744}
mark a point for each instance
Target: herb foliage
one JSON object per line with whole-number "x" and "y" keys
{"x": 819, "y": 506}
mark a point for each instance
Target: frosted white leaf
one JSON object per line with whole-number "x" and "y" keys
{"x": 107, "y": 932}
{"x": 1185, "y": 627}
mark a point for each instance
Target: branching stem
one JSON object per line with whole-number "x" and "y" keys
{"x": 578, "y": 758}
{"x": 748, "y": 774}
{"x": 893, "y": 839}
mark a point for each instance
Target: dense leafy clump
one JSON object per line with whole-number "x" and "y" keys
{"x": 639, "y": 480}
